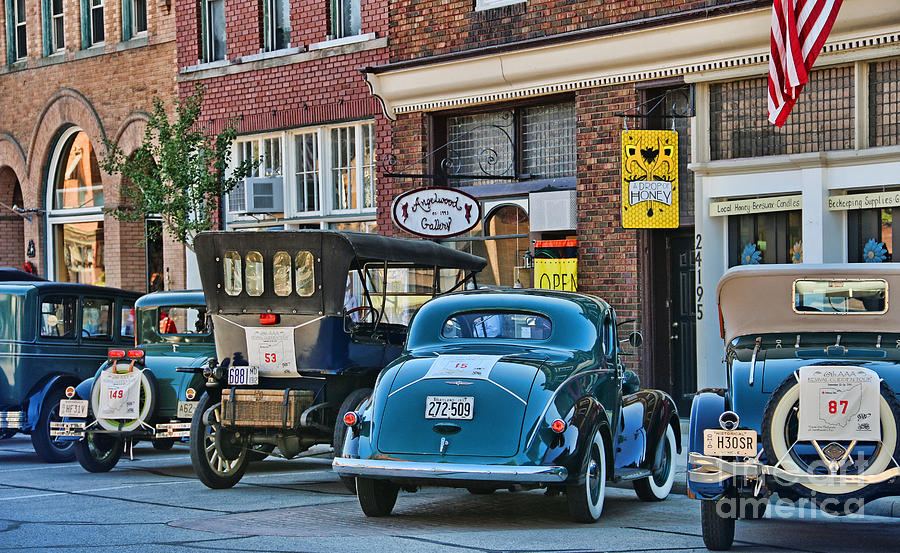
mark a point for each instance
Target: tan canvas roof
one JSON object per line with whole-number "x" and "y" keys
{"x": 758, "y": 299}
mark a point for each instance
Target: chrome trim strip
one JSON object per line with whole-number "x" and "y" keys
{"x": 712, "y": 470}
{"x": 449, "y": 471}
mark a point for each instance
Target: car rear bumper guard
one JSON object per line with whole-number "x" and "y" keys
{"x": 449, "y": 471}
{"x": 11, "y": 419}
{"x": 704, "y": 469}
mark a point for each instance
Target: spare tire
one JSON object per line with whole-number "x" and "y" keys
{"x": 146, "y": 405}
{"x": 779, "y": 433}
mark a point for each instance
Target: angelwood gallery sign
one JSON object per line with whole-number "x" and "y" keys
{"x": 435, "y": 212}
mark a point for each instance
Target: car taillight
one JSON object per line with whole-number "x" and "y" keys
{"x": 116, "y": 354}
{"x": 135, "y": 354}
{"x": 351, "y": 418}
{"x": 558, "y": 426}
{"x": 268, "y": 319}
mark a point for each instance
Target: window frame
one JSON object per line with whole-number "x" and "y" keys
{"x": 440, "y": 130}
{"x": 16, "y": 46}
{"x": 782, "y": 225}
{"x": 271, "y": 9}
{"x": 336, "y": 20}
{"x": 131, "y": 17}
{"x": 208, "y": 34}
{"x": 89, "y": 9}
{"x": 49, "y": 21}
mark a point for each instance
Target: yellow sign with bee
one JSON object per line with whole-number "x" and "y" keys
{"x": 649, "y": 179}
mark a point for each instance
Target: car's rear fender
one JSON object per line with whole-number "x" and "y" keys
{"x": 586, "y": 416}
{"x": 646, "y": 415}
{"x": 706, "y": 408}
{"x": 37, "y": 396}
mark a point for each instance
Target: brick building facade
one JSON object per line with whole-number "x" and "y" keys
{"x": 534, "y": 98}
{"x": 299, "y": 102}
{"x": 75, "y": 74}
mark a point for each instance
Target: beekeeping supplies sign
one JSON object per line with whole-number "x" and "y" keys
{"x": 649, "y": 179}
{"x": 119, "y": 395}
{"x": 839, "y": 403}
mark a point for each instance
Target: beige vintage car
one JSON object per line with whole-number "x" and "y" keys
{"x": 810, "y": 413}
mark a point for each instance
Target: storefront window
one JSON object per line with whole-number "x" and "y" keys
{"x": 79, "y": 252}
{"x": 870, "y": 235}
{"x": 765, "y": 238}
{"x": 502, "y": 242}
{"x": 76, "y": 217}
{"x": 254, "y": 274}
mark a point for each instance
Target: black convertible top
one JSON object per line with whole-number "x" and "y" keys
{"x": 336, "y": 253}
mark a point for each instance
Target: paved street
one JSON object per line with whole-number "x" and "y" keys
{"x": 155, "y": 504}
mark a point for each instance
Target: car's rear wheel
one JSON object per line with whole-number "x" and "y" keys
{"x": 98, "y": 452}
{"x": 586, "y": 497}
{"x": 658, "y": 485}
{"x": 376, "y": 497}
{"x": 718, "y": 527}
{"x": 218, "y": 457}
{"x": 48, "y": 448}
{"x": 163, "y": 444}
{"x": 351, "y": 403}
{"x": 779, "y": 435}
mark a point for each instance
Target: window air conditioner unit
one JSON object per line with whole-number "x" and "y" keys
{"x": 549, "y": 211}
{"x": 264, "y": 195}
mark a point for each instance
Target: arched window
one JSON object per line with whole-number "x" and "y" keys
{"x": 75, "y": 217}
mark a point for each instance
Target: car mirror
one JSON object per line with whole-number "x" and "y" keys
{"x": 635, "y": 339}
{"x": 631, "y": 382}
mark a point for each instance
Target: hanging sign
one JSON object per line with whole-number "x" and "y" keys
{"x": 435, "y": 212}
{"x": 649, "y": 179}
{"x": 556, "y": 274}
{"x": 872, "y": 200}
{"x": 839, "y": 403}
{"x": 755, "y": 205}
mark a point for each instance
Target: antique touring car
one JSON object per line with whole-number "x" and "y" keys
{"x": 142, "y": 392}
{"x": 303, "y": 323}
{"x": 810, "y": 412}
{"x": 497, "y": 388}
{"x": 53, "y": 335}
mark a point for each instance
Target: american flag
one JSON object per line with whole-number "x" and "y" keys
{"x": 799, "y": 29}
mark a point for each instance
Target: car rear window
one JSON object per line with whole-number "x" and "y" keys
{"x": 10, "y": 316}
{"x": 496, "y": 324}
{"x": 840, "y": 296}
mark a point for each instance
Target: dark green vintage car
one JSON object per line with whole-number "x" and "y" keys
{"x": 145, "y": 392}
{"x": 496, "y": 388}
{"x": 53, "y": 335}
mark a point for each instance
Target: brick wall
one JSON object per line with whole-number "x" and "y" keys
{"x": 454, "y": 25}
{"x": 107, "y": 95}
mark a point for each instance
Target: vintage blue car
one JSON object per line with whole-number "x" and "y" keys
{"x": 53, "y": 335}
{"x": 163, "y": 372}
{"x": 813, "y": 358}
{"x": 497, "y": 388}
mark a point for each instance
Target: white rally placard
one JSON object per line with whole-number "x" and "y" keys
{"x": 119, "y": 395}
{"x": 272, "y": 350}
{"x": 463, "y": 366}
{"x": 839, "y": 403}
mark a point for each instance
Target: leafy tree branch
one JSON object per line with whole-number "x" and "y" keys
{"x": 179, "y": 172}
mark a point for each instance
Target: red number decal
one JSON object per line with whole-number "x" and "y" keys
{"x": 832, "y": 407}
{"x": 844, "y": 406}
{"x": 270, "y": 358}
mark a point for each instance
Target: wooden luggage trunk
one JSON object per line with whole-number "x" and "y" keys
{"x": 264, "y": 408}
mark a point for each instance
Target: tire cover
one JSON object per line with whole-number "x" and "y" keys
{"x": 146, "y": 404}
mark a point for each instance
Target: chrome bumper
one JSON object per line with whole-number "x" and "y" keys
{"x": 11, "y": 419}
{"x": 448, "y": 471}
{"x": 712, "y": 470}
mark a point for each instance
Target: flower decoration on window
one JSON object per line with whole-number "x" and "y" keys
{"x": 750, "y": 255}
{"x": 797, "y": 252}
{"x": 874, "y": 252}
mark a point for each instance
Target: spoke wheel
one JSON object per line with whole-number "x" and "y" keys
{"x": 657, "y": 486}
{"x": 48, "y": 448}
{"x": 98, "y": 452}
{"x": 587, "y": 494}
{"x": 217, "y": 460}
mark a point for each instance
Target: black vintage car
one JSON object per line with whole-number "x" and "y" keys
{"x": 53, "y": 335}
{"x": 303, "y": 323}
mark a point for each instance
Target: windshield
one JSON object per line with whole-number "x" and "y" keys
{"x": 174, "y": 323}
{"x": 492, "y": 324}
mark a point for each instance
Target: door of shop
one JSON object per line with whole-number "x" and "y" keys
{"x": 683, "y": 319}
